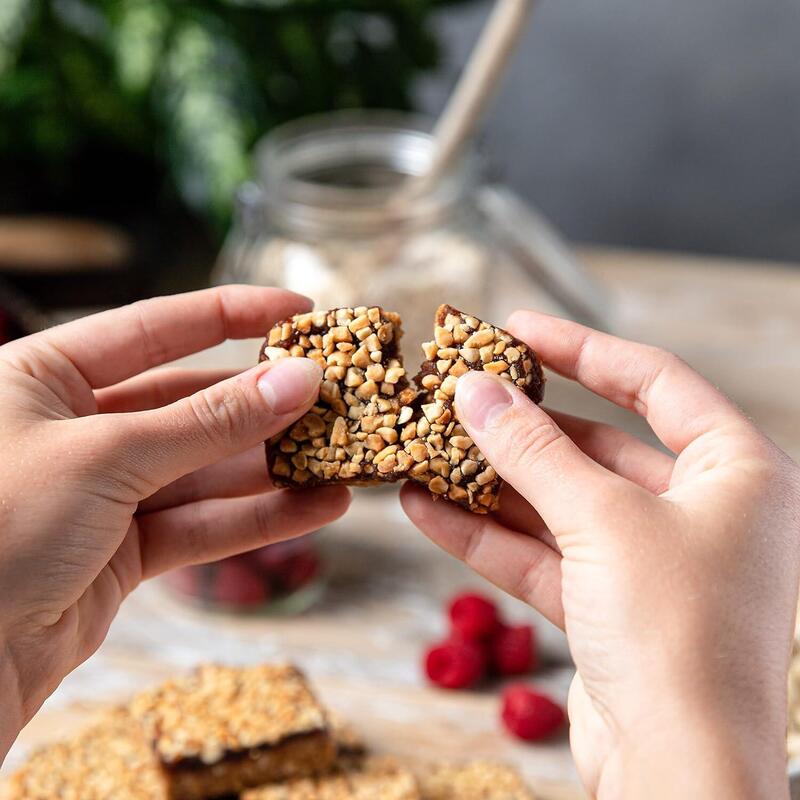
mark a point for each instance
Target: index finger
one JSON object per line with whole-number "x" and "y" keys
{"x": 114, "y": 345}
{"x": 678, "y": 403}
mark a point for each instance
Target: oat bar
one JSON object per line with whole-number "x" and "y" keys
{"x": 475, "y": 780}
{"x": 370, "y": 779}
{"x": 221, "y": 730}
{"x": 446, "y": 459}
{"x": 348, "y": 741}
{"x": 350, "y": 435}
{"x": 111, "y": 760}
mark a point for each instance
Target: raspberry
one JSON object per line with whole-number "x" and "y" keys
{"x": 299, "y": 570}
{"x": 237, "y": 584}
{"x": 529, "y": 715}
{"x": 273, "y": 557}
{"x": 473, "y": 617}
{"x": 454, "y": 664}
{"x": 513, "y": 650}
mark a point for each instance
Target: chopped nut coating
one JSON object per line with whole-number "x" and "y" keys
{"x": 457, "y": 470}
{"x": 111, "y": 759}
{"x": 223, "y": 729}
{"x": 369, "y": 779}
{"x": 370, "y": 426}
{"x": 475, "y": 780}
{"x": 363, "y": 394}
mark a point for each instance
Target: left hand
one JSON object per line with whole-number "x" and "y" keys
{"x": 109, "y": 479}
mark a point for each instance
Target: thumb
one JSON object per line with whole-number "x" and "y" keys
{"x": 224, "y": 419}
{"x": 527, "y": 448}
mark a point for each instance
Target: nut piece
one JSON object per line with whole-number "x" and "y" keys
{"x": 438, "y": 485}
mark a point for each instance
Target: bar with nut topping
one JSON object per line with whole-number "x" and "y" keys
{"x": 375, "y": 778}
{"x": 446, "y": 460}
{"x": 110, "y": 759}
{"x": 222, "y": 730}
{"x": 369, "y": 425}
{"x": 474, "y": 780}
{"x": 350, "y": 435}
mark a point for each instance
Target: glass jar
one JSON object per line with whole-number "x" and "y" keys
{"x": 323, "y": 218}
{"x": 282, "y": 578}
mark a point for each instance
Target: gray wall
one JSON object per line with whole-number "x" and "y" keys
{"x": 672, "y": 124}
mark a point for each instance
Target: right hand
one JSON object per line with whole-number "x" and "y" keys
{"x": 674, "y": 576}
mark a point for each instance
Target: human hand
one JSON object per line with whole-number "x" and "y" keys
{"x": 675, "y": 578}
{"x": 109, "y": 479}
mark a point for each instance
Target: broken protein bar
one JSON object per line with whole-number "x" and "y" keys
{"x": 370, "y": 426}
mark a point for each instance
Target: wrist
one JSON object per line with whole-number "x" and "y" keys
{"x": 698, "y": 755}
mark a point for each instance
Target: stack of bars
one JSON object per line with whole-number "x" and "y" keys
{"x": 255, "y": 733}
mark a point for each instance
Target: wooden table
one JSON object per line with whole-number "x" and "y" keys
{"x": 737, "y": 322}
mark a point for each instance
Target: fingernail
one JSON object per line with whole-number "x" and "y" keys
{"x": 289, "y": 384}
{"x": 481, "y": 398}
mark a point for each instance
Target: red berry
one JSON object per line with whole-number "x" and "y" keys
{"x": 273, "y": 557}
{"x": 299, "y": 570}
{"x": 237, "y": 584}
{"x": 530, "y": 715}
{"x": 454, "y": 664}
{"x": 473, "y": 617}
{"x": 513, "y": 650}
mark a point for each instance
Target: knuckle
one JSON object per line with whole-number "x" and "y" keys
{"x": 222, "y": 414}
{"x": 105, "y": 452}
{"x": 665, "y": 357}
{"x": 195, "y": 535}
{"x": 530, "y": 580}
{"x": 658, "y": 364}
{"x": 471, "y": 544}
{"x": 264, "y": 520}
{"x": 154, "y": 350}
{"x": 530, "y": 443}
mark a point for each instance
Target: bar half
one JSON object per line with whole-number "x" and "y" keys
{"x": 446, "y": 460}
{"x": 350, "y": 435}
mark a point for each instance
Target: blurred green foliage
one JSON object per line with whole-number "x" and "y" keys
{"x": 169, "y": 96}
